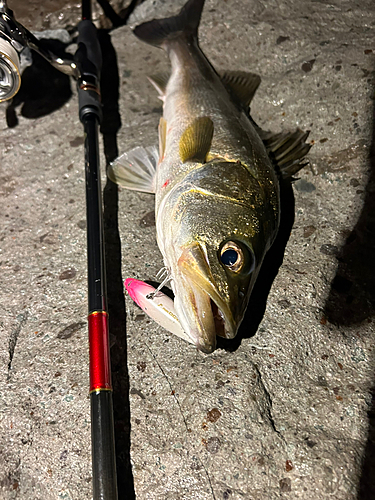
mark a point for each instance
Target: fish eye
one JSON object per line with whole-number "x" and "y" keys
{"x": 236, "y": 257}
{"x": 229, "y": 257}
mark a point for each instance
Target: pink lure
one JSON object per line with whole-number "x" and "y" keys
{"x": 157, "y": 305}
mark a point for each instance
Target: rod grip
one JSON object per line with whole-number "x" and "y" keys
{"x": 102, "y": 438}
{"x": 88, "y": 58}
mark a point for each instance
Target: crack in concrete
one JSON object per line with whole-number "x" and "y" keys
{"x": 170, "y": 385}
{"x": 266, "y": 410}
{"x": 183, "y": 417}
{"x": 13, "y": 339}
{"x": 208, "y": 479}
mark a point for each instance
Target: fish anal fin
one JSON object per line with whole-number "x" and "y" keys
{"x": 241, "y": 85}
{"x": 162, "y": 137}
{"x": 195, "y": 142}
{"x": 160, "y": 82}
{"x": 135, "y": 169}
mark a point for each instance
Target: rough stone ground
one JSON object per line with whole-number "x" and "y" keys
{"x": 39, "y": 15}
{"x": 280, "y": 414}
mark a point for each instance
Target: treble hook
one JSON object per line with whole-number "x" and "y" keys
{"x": 164, "y": 273}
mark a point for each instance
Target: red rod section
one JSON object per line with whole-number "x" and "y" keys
{"x": 100, "y": 372}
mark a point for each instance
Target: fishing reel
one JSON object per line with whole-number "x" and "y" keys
{"x": 14, "y": 38}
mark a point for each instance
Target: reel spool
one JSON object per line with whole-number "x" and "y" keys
{"x": 10, "y": 77}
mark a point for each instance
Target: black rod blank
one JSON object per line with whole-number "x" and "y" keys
{"x": 88, "y": 59}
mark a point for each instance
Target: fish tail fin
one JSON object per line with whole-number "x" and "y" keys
{"x": 185, "y": 24}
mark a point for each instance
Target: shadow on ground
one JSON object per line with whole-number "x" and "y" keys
{"x": 115, "y": 291}
{"x": 44, "y": 89}
{"x": 351, "y": 300}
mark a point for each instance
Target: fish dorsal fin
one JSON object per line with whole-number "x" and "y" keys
{"x": 241, "y": 84}
{"x": 287, "y": 149}
{"x": 195, "y": 142}
{"x": 162, "y": 137}
{"x": 135, "y": 169}
{"x": 160, "y": 82}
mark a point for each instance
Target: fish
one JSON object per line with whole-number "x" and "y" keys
{"x": 216, "y": 178}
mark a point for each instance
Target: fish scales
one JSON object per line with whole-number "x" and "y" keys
{"x": 195, "y": 90}
{"x": 217, "y": 191}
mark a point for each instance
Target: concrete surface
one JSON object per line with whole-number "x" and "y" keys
{"x": 283, "y": 413}
{"x": 37, "y": 15}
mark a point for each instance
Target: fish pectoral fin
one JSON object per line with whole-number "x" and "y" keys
{"x": 160, "y": 81}
{"x": 241, "y": 85}
{"x": 287, "y": 150}
{"x": 135, "y": 169}
{"x": 195, "y": 142}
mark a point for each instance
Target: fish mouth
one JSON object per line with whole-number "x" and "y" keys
{"x": 203, "y": 319}
{"x": 219, "y": 320}
{"x": 202, "y": 310}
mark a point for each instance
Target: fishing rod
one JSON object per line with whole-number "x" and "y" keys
{"x": 85, "y": 68}
{"x": 89, "y": 60}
